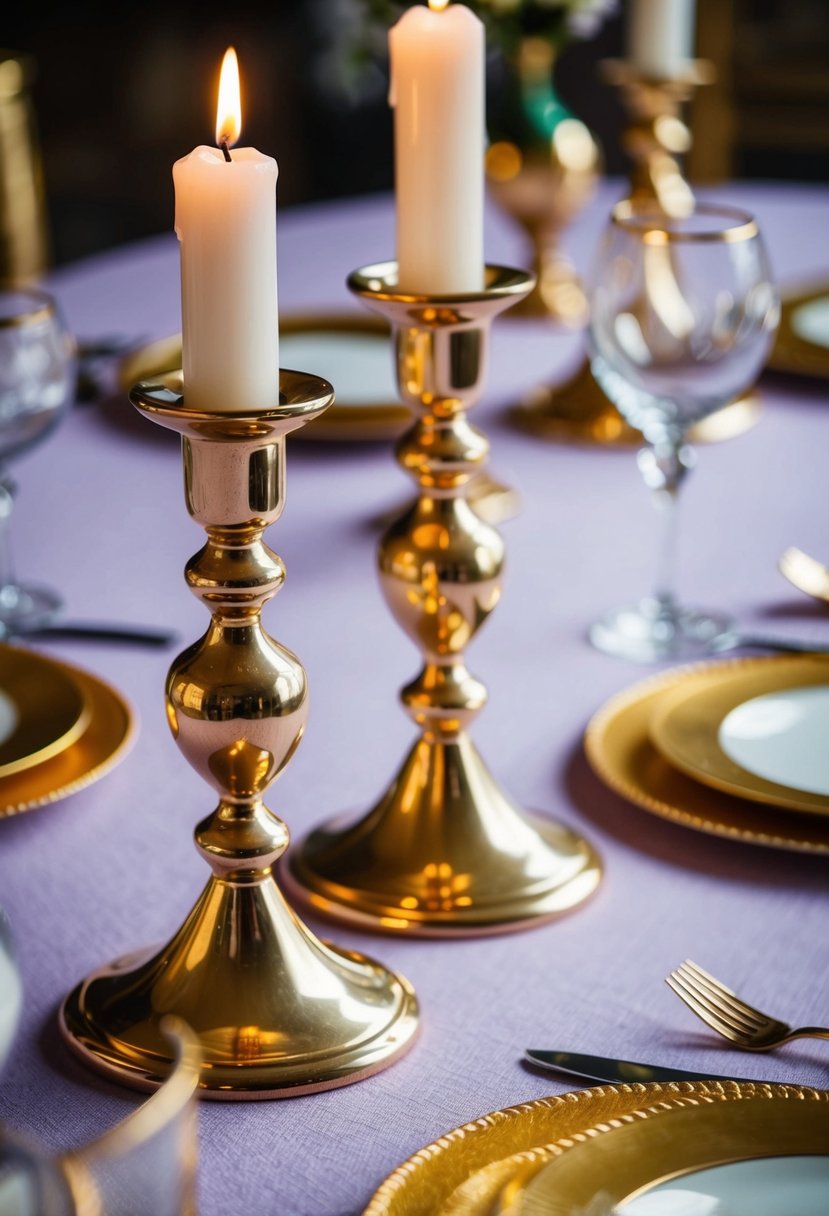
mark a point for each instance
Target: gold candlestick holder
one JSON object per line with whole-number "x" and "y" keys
{"x": 656, "y": 138}
{"x": 445, "y": 851}
{"x": 276, "y": 1011}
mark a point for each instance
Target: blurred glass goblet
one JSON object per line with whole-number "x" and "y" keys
{"x": 683, "y": 311}
{"x": 37, "y": 375}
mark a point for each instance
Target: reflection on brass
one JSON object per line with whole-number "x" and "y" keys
{"x": 465, "y": 1171}
{"x": 543, "y": 188}
{"x": 276, "y": 1011}
{"x": 24, "y": 247}
{"x": 445, "y": 851}
{"x": 656, "y": 138}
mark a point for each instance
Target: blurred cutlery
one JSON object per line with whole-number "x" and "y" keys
{"x": 599, "y": 1068}
{"x": 805, "y": 572}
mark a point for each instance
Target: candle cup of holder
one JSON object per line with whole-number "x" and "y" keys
{"x": 655, "y": 138}
{"x": 276, "y": 1011}
{"x": 445, "y": 851}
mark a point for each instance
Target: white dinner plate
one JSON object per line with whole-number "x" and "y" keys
{"x": 782, "y": 737}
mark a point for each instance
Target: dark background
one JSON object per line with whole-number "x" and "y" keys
{"x": 123, "y": 91}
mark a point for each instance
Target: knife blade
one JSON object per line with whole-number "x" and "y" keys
{"x": 598, "y": 1068}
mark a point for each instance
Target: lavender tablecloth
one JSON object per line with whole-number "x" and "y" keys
{"x": 100, "y": 515}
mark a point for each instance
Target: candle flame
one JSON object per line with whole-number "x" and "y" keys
{"x": 437, "y": 6}
{"x": 229, "y": 109}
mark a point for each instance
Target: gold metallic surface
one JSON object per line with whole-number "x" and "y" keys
{"x": 619, "y": 749}
{"x": 576, "y": 410}
{"x": 617, "y": 1159}
{"x": 24, "y": 243}
{"x": 543, "y": 189}
{"x": 350, "y": 419}
{"x": 794, "y": 352}
{"x": 276, "y": 1011}
{"x": 463, "y": 1172}
{"x": 445, "y": 851}
{"x": 107, "y": 737}
{"x": 50, "y": 709}
{"x": 685, "y": 728}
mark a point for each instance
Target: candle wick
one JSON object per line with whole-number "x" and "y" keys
{"x": 223, "y": 146}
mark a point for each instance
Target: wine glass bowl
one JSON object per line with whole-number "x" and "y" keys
{"x": 37, "y": 374}
{"x": 683, "y": 313}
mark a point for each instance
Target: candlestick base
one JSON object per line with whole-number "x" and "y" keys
{"x": 276, "y": 1011}
{"x": 444, "y": 853}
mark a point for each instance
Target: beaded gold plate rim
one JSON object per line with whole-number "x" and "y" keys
{"x": 618, "y": 747}
{"x": 469, "y": 1165}
{"x": 108, "y": 737}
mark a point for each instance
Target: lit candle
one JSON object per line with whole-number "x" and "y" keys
{"x": 437, "y": 91}
{"x": 226, "y": 224}
{"x": 660, "y": 37}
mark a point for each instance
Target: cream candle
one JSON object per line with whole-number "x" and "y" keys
{"x": 660, "y": 37}
{"x": 437, "y": 91}
{"x": 226, "y": 225}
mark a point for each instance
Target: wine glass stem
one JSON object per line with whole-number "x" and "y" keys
{"x": 7, "y": 579}
{"x": 663, "y": 466}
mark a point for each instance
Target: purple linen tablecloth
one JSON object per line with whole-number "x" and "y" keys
{"x": 100, "y": 515}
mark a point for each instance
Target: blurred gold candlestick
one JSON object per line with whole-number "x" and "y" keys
{"x": 276, "y": 1011}
{"x": 445, "y": 851}
{"x": 656, "y": 138}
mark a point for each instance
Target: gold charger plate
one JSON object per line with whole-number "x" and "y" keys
{"x": 47, "y": 706}
{"x": 593, "y": 1171}
{"x": 792, "y": 352}
{"x": 354, "y": 415}
{"x": 465, "y": 1171}
{"x": 108, "y": 736}
{"x": 618, "y": 746}
{"x": 685, "y": 726}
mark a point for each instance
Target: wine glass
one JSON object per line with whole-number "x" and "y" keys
{"x": 37, "y": 375}
{"x": 683, "y": 311}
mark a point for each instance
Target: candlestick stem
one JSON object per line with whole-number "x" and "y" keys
{"x": 445, "y": 851}
{"x": 276, "y": 1011}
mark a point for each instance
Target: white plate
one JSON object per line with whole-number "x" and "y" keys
{"x": 782, "y": 737}
{"x": 769, "y": 1186}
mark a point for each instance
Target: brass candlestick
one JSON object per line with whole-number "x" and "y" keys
{"x": 276, "y": 1011}
{"x": 445, "y": 851}
{"x": 656, "y": 138}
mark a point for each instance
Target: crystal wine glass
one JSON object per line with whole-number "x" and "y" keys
{"x": 37, "y": 374}
{"x": 683, "y": 312}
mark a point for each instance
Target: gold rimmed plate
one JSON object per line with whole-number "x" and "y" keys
{"x": 619, "y": 749}
{"x": 353, "y": 352}
{"x": 750, "y": 708}
{"x": 470, "y": 1170}
{"x": 677, "y": 1142}
{"x": 802, "y": 343}
{"x": 105, "y": 741}
{"x": 42, "y": 709}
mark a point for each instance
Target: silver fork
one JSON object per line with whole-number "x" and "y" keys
{"x": 725, "y": 1012}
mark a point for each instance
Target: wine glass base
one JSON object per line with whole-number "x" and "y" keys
{"x": 25, "y": 609}
{"x": 649, "y": 632}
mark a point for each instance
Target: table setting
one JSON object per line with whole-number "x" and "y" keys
{"x": 422, "y": 973}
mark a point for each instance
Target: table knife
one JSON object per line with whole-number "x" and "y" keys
{"x": 598, "y": 1068}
